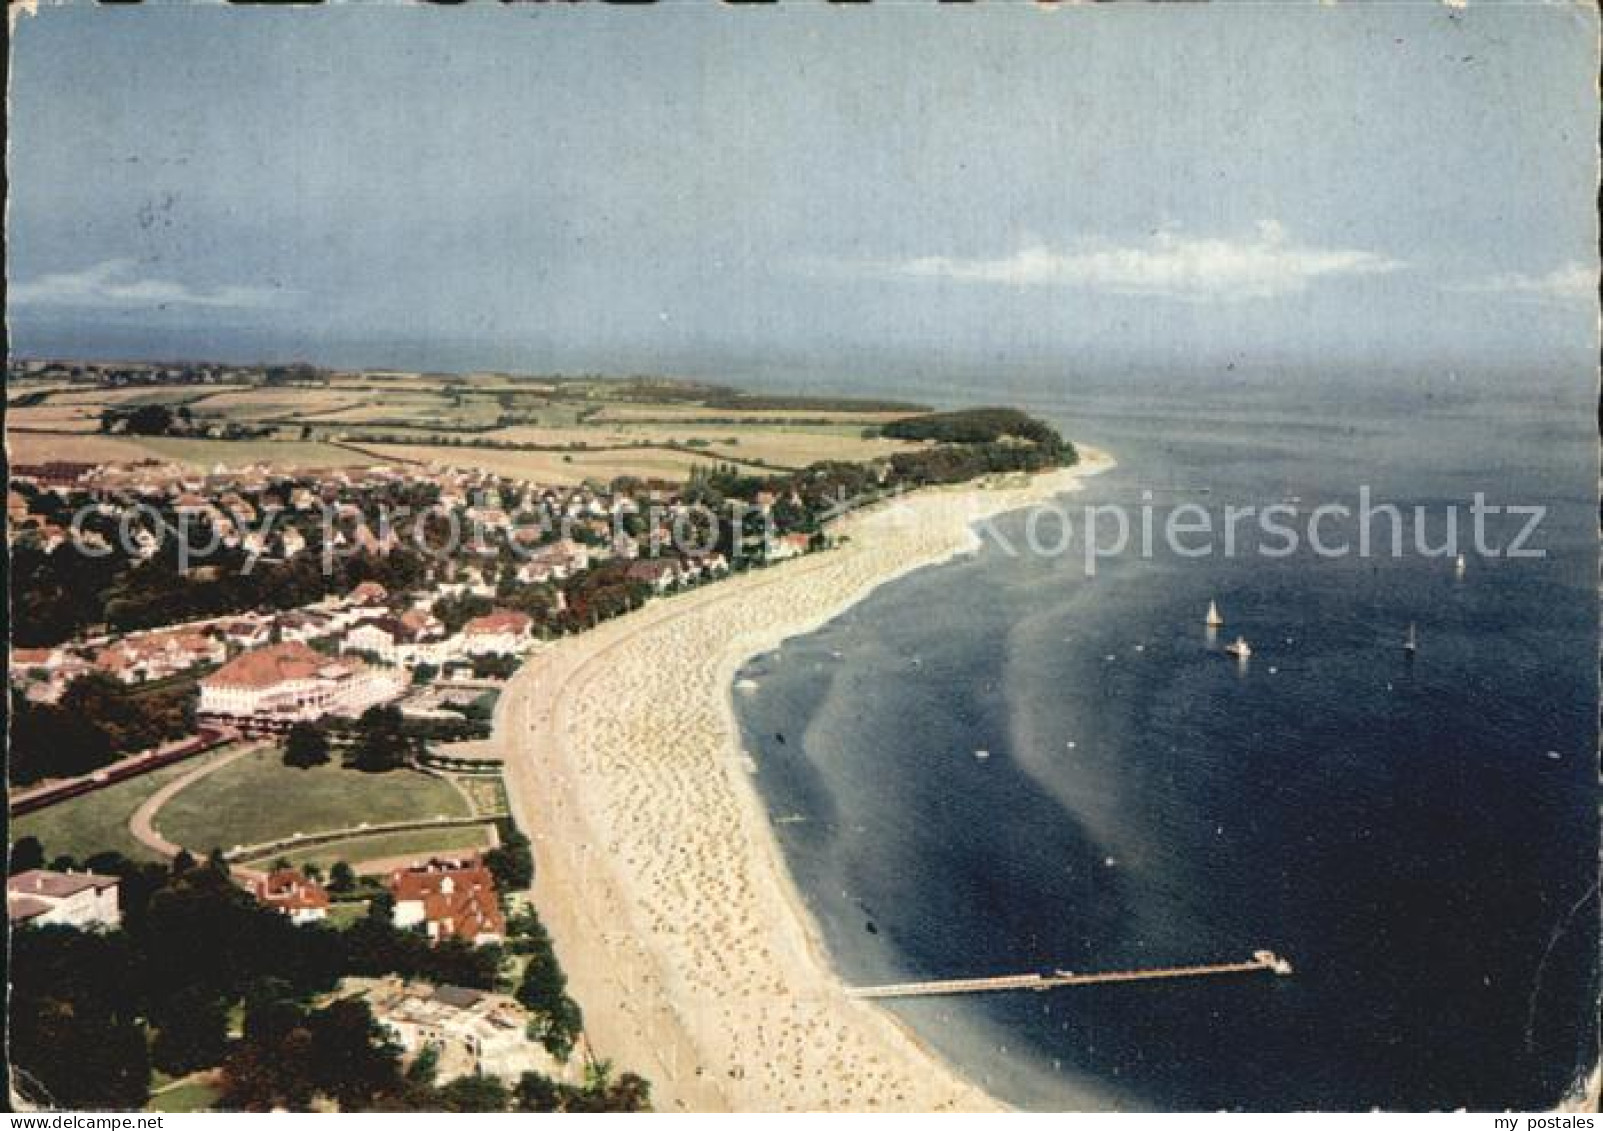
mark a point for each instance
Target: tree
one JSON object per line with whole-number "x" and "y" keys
{"x": 353, "y": 1059}
{"x": 306, "y": 746}
{"x": 535, "y": 1092}
{"x": 511, "y": 862}
{"x": 341, "y": 877}
{"x": 74, "y": 1021}
{"x": 217, "y": 862}
{"x": 191, "y": 1031}
{"x": 425, "y": 1066}
{"x": 381, "y": 744}
{"x": 26, "y": 855}
{"x": 475, "y": 1093}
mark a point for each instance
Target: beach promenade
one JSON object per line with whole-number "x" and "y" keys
{"x": 664, "y": 890}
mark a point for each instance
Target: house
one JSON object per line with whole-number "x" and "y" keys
{"x": 705, "y": 566}
{"x": 245, "y": 631}
{"x": 498, "y": 633}
{"x": 368, "y": 594}
{"x": 290, "y": 893}
{"x": 287, "y": 683}
{"x": 72, "y": 899}
{"x": 36, "y": 660}
{"x": 452, "y": 899}
{"x": 473, "y": 1031}
{"x": 301, "y": 625}
{"x": 157, "y": 655}
{"x": 561, "y": 558}
{"x": 788, "y": 546}
{"x": 662, "y": 574}
{"x": 413, "y": 637}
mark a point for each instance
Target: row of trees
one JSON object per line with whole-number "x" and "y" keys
{"x": 97, "y": 721}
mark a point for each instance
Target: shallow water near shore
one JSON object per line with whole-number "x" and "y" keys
{"x": 1418, "y": 836}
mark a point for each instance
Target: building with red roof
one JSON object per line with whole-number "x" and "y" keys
{"x": 452, "y": 899}
{"x": 499, "y": 632}
{"x": 291, "y": 893}
{"x": 281, "y": 684}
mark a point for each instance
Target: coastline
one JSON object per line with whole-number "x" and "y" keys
{"x": 658, "y": 874}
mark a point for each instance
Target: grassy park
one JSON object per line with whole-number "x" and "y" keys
{"x": 259, "y": 799}
{"x": 98, "y": 821}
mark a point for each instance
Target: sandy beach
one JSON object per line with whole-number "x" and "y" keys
{"x": 664, "y": 890}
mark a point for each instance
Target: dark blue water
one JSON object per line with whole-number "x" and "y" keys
{"x": 1420, "y": 838}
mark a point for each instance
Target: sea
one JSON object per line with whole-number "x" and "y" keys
{"x": 1012, "y": 763}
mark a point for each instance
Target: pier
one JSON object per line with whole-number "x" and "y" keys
{"x": 1262, "y": 961}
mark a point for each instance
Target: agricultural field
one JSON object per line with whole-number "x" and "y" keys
{"x": 591, "y": 428}
{"x": 240, "y": 453}
{"x": 776, "y": 445}
{"x": 75, "y": 447}
{"x": 258, "y": 799}
{"x": 21, "y": 390}
{"x": 561, "y": 468}
{"x": 138, "y": 395}
{"x": 55, "y": 417}
{"x": 250, "y": 405}
{"x": 679, "y": 413}
{"x": 98, "y": 821}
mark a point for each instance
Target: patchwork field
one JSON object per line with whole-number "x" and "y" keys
{"x": 247, "y": 405}
{"x": 564, "y": 468}
{"x": 595, "y": 428}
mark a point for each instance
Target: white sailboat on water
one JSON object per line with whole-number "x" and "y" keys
{"x": 1240, "y": 649}
{"x": 1213, "y": 620}
{"x": 1411, "y": 641}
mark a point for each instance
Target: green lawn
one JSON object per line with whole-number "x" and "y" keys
{"x": 384, "y": 845}
{"x": 344, "y": 914}
{"x": 98, "y": 822}
{"x": 259, "y": 799}
{"x": 192, "y": 1095}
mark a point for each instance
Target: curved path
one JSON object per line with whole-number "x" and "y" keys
{"x": 358, "y": 832}
{"x": 142, "y": 823}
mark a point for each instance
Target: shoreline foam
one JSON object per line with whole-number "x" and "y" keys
{"x": 667, "y": 895}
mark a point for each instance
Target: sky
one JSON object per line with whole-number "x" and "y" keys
{"x": 617, "y": 188}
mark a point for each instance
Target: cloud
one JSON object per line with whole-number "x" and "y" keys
{"x": 1573, "y": 282}
{"x": 117, "y": 283}
{"x": 1167, "y": 264}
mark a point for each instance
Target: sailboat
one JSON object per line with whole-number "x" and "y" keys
{"x": 1411, "y": 641}
{"x": 1458, "y": 565}
{"x": 1240, "y": 649}
{"x": 1214, "y": 620}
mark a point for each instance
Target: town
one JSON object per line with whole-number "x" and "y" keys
{"x": 270, "y": 690}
